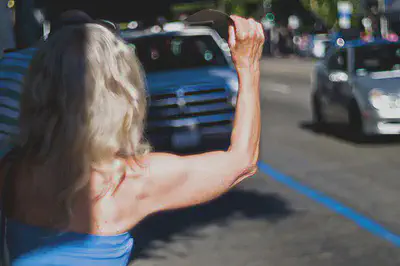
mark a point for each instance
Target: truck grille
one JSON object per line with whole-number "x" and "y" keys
{"x": 174, "y": 109}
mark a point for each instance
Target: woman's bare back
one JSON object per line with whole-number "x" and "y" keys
{"x": 107, "y": 207}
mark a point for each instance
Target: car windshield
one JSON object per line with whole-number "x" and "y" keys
{"x": 376, "y": 58}
{"x": 166, "y": 53}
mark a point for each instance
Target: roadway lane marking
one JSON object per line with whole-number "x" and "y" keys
{"x": 362, "y": 221}
{"x": 282, "y": 88}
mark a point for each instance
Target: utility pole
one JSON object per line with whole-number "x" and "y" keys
{"x": 268, "y": 22}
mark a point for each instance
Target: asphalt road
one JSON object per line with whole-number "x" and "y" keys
{"x": 269, "y": 219}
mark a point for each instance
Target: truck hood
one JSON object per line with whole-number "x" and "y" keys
{"x": 167, "y": 80}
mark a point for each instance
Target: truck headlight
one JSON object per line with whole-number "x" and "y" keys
{"x": 381, "y": 100}
{"x": 234, "y": 89}
{"x": 234, "y": 100}
{"x": 234, "y": 86}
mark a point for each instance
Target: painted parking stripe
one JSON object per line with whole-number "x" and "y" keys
{"x": 364, "y": 222}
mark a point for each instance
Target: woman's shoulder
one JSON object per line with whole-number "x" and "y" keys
{"x": 141, "y": 175}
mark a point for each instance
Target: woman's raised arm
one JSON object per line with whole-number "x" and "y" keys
{"x": 180, "y": 181}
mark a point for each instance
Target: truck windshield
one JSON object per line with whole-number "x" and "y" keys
{"x": 376, "y": 58}
{"x": 166, "y": 53}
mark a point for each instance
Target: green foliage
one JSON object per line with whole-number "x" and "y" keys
{"x": 237, "y": 7}
{"x": 327, "y": 9}
{"x": 191, "y": 6}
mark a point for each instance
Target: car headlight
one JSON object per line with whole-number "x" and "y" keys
{"x": 381, "y": 100}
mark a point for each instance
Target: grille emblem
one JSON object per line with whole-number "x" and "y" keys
{"x": 180, "y": 93}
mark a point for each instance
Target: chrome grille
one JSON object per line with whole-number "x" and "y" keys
{"x": 209, "y": 105}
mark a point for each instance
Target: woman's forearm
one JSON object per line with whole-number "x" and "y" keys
{"x": 245, "y": 137}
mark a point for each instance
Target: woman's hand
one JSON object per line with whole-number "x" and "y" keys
{"x": 246, "y": 40}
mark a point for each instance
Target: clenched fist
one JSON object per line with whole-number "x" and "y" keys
{"x": 246, "y": 40}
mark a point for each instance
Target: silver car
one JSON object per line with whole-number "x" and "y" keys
{"x": 358, "y": 83}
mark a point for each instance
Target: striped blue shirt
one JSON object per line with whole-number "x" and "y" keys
{"x": 13, "y": 68}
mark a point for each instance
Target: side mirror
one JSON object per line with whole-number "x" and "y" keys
{"x": 338, "y": 76}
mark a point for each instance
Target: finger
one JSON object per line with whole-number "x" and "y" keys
{"x": 245, "y": 29}
{"x": 232, "y": 36}
{"x": 236, "y": 22}
{"x": 234, "y": 17}
{"x": 256, "y": 38}
{"x": 253, "y": 31}
{"x": 240, "y": 28}
{"x": 260, "y": 31}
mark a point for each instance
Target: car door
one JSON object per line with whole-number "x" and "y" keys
{"x": 322, "y": 84}
{"x": 336, "y": 86}
{"x": 323, "y": 73}
{"x": 342, "y": 92}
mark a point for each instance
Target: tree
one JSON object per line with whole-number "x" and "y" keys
{"x": 327, "y": 9}
{"x": 240, "y": 7}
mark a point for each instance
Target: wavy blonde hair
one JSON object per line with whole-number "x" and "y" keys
{"x": 83, "y": 103}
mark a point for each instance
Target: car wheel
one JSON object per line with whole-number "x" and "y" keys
{"x": 355, "y": 120}
{"x": 318, "y": 118}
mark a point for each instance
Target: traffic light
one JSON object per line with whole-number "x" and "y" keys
{"x": 270, "y": 17}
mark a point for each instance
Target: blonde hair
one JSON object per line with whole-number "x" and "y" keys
{"x": 83, "y": 103}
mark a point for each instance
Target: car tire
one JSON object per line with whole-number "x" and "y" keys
{"x": 318, "y": 118}
{"x": 355, "y": 121}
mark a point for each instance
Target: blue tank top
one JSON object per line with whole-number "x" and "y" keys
{"x": 32, "y": 246}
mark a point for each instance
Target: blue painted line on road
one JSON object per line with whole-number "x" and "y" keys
{"x": 332, "y": 204}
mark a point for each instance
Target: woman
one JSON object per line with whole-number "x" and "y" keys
{"x": 82, "y": 175}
